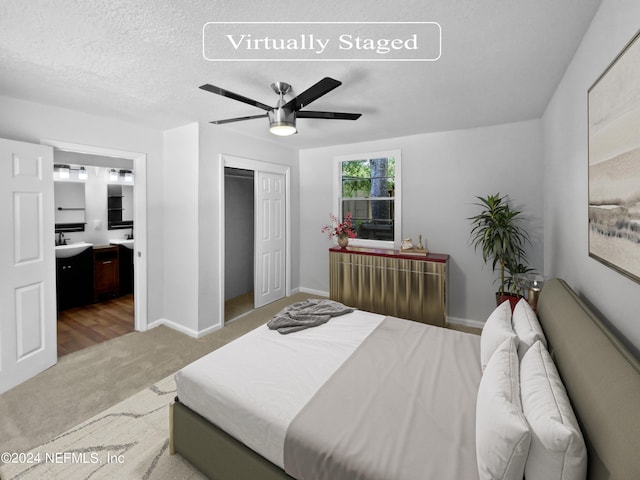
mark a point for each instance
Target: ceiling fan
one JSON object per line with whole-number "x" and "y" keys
{"x": 282, "y": 117}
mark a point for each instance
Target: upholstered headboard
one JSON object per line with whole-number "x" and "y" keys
{"x": 602, "y": 378}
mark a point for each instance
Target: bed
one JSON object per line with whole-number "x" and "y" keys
{"x": 422, "y": 383}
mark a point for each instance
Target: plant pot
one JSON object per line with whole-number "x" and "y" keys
{"x": 343, "y": 241}
{"x": 512, "y": 297}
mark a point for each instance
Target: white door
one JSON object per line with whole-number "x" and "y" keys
{"x": 270, "y": 238}
{"x": 27, "y": 262}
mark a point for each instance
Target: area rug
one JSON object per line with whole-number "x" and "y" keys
{"x": 129, "y": 440}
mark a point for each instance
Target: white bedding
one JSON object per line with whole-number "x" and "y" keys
{"x": 254, "y": 409}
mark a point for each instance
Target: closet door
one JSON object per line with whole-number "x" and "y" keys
{"x": 270, "y": 238}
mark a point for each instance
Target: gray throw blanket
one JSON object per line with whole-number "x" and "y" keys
{"x": 310, "y": 313}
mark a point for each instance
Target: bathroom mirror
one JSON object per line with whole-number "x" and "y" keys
{"x": 69, "y": 200}
{"x": 127, "y": 203}
{"x": 119, "y": 206}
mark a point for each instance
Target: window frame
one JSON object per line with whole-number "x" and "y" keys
{"x": 397, "y": 204}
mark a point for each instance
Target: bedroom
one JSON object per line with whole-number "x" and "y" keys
{"x": 548, "y": 149}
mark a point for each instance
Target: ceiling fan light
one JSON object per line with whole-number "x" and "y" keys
{"x": 282, "y": 122}
{"x": 282, "y": 129}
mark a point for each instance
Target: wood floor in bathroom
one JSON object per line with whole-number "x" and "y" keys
{"x": 83, "y": 327}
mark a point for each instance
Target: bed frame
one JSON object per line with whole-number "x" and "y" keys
{"x": 602, "y": 378}
{"x": 601, "y": 375}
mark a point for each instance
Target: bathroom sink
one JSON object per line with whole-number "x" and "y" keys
{"x": 66, "y": 251}
{"x": 123, "y": 242}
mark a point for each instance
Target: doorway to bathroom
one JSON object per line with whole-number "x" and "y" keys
{"x": 94, "y": 199}
{"x": 110, "y": 299}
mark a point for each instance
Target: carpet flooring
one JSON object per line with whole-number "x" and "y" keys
{"x": 238, "y": 306}
{"x": 94, "y": 415}
{"x": 87, "y": 382}
{"x": 129, "y": 440}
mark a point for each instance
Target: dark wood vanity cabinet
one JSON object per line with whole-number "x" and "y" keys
{"x": 106, "y": 278}
{"x": 74, "y": 280}
{"x": 125, "y": 261}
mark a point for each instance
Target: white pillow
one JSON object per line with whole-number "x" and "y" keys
{"x": 557, "y": 448}
{"x": 527, "y": 327}
{"x": 502, "y": 433}
{"x": 496, "y": 330}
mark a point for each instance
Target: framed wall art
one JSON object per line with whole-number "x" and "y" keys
{"x": 614, "y": 163}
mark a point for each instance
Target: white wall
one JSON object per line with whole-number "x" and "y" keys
{"x": 32, "y": 122}
{"x": 566, "y": 175}
{"x": 441, "y": 174}
{"x": 193, "y": 179}
{"x": 180, "y": 232}
{"x": 214, "y": 142}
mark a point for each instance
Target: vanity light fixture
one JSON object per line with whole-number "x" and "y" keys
{"x": 128, "y": 175}
{"x": 82, "y": 173}
{"x": 63, "y": 170}
{"x": 113, "y": 175}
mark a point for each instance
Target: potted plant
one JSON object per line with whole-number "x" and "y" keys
{"x": 342, "y": 230}
{"x": 497, "y": 232}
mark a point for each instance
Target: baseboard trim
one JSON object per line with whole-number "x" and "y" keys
{"x": 155, "y": 323}
{"x": 313, "y": 292}
{"x": 209, "y": 330}
{"x": 182, "y": 329}
{"x": 465, "y": 322}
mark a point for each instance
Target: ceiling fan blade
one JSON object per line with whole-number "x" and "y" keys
{"x": 329, "y": 115}
{"x": 239, "y": 119}
{"x": 312, "y": 93}
{"x": 234, "y": 96}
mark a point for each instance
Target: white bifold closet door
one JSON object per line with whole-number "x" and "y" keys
{"x": 270, "y": 238}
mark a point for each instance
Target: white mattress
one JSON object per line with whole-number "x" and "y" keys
{"x": 254, "y": 409}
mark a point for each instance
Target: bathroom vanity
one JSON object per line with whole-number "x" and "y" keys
{"x": 86, "y": 273}
{"x": 106, "y": 283}
{"x": 74, "y": 279}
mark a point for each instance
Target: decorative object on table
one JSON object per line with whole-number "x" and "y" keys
{"x": 498, "y": 232}
{"x": 342, "y": 230}
{"x": 343, "y": 241}
{"x": 532, "y": 284}
{"x": 614, "y": 163}
{"x": 410, "y": 249}
{"x": 406, "y": 244}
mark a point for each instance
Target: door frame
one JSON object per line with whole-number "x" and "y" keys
{"x": 227, "y": 160}
{"x": 139, "y": 218}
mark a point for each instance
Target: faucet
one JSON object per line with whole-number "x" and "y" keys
{"x": 61, "y": 239}
{"x": 129, "y": 236}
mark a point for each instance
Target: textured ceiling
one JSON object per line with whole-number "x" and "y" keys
{"x": 142, "y": 61}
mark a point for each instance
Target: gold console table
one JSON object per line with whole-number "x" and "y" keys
{"x": 390, "y": 282}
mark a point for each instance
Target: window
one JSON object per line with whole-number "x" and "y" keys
{"x": 369, "y": 189}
